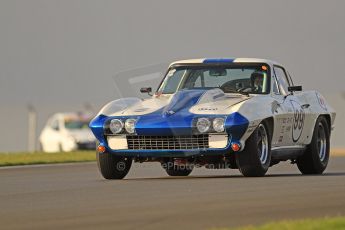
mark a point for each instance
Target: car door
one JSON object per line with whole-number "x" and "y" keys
{"x": 281, "y": 112}
{"x": 291, "y": 124}
{"x": 285, "y": 111}
{"x": 303, "y": 117}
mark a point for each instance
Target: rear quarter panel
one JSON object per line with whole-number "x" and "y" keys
{"x": 317, "y": 106}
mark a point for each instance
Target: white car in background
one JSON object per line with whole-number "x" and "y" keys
{"x": 65, "y": 132}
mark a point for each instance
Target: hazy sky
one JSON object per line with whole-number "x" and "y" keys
{"x": 57, "y": 55}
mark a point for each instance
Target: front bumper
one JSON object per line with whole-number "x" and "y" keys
{"x": 236, "y": 125}
{"x": 217, "y": 146}
{"x": 170, "y": 153}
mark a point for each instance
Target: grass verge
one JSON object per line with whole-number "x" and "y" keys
{"x": 328, "y": 223}
{"x": 10, "y": 159}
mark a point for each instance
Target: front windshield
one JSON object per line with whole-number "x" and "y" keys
{"x": 76, "y": 124}
{"x": 230, "y": 78}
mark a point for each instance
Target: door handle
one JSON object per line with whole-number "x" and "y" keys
{"x": 305, "y": 106}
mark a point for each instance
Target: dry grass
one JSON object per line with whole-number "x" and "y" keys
{"x": 9, "y": 159}
{"x": 334, "y": 223}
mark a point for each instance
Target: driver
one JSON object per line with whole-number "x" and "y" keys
{"x": 257, "y": 79}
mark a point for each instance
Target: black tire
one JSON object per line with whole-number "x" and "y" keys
{"x": 176, "y": 170}
{"x": 249, "y": 160}
{"x": 113, "y": 167}
{"x": 314, "y": 161}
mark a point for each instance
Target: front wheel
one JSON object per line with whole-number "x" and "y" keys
{"x": 315, "y": 158}
{"x": 255, "y": 159}
{"x": 112, "y": 166}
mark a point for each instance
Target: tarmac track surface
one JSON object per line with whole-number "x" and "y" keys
{"x": 74, "y": 196}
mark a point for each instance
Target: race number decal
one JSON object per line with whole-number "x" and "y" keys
{"x": 298, "y": 121}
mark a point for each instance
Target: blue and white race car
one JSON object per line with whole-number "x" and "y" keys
{"x": 240, "y": 113}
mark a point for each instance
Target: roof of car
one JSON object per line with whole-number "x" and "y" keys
{"x": 225, "y": 60}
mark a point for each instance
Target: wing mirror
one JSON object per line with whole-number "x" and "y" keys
{"x": 294, "y": 88}
{"x": 147, "y": 90}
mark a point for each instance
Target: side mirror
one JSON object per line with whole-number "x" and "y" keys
{"x": 294, "y": 88}
{"x": 147, "y": 90}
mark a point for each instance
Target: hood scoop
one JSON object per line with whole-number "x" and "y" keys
{"x": 182, "y": 100}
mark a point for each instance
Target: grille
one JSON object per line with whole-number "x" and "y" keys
{"x": 168, "y": 142}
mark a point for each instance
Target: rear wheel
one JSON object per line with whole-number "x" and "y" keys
{"x": 315, "y": 158}
{"x": 177, "y": 170}
{"x": 112, "y": 166}
{"x": 255, "y": 159}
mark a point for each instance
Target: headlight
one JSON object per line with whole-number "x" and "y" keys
{"x": 218, "y": 124}
{"x": 130, "y": 125}
{"x": 116, "y": 126}
{"x": 203, "y": 125}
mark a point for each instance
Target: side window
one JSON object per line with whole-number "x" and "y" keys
{"x": 275, "y": 85}
{"x": 55, "y": 124}
{"x": 289, "y": 78}
{"x": 283, "y": 82}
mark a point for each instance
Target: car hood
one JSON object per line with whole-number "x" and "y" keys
{"x": 174, "y": 114}
{"x": 213, "y": 101}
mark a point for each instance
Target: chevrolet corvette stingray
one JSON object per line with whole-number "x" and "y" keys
{"x": 238, "y": 113}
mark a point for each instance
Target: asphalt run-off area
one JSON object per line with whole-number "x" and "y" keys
{"x": 75, "y": 196}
